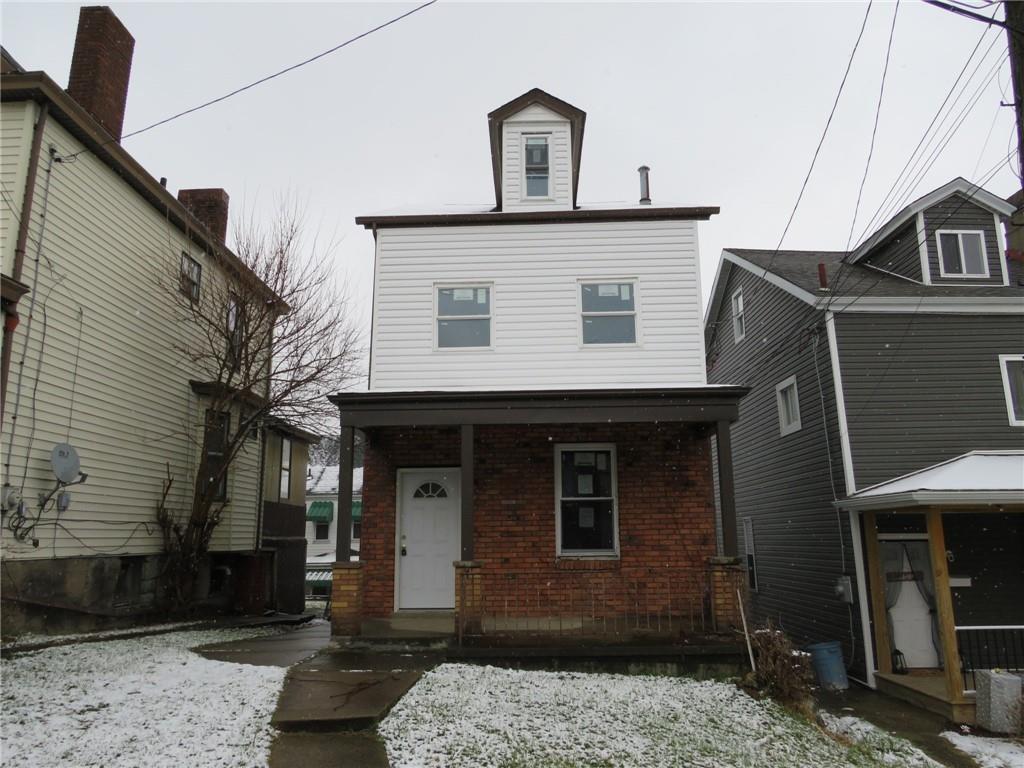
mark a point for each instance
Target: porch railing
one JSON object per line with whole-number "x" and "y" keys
{"x": 989, "y": 647}
{"x": 653, "y": 602}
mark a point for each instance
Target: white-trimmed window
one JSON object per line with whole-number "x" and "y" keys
{"x": 962, "y": 253}
{"x": 739, "y": 327}
{"x": 748, "y": 548}
{"x": 536, "y": 166}
{"x": 191, "y": 277}
{"x": 1012, "y": 369}
{"x": 789, "y": 405}
{"x": 608, "y": 312}
{"x": 586, "y": 500}
{"x": 463, "y": 316}
{"x": 286, "y": 468}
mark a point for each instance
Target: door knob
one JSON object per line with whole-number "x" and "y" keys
{"x": 403, "y": 551}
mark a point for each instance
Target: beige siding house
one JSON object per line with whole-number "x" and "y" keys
{"x": 90, "y": 241}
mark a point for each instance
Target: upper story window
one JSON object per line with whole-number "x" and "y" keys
{"x": 286, "y": 468}
{"x": 191, "y": 276}
{"x": 538, "y": 170}
{"x": 962, "y": 253}
{"x": 1012, "y": 370}
{"x": 789, "y": 406}
{"x": 464, "y": 316}
{"x": 235, "y": 323}
{"x": 739, "y": 328}
{"x": 587, "y": 496}
{"x": 608, "y": 312}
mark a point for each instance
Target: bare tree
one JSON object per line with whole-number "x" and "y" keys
{"x": 268, "y": 338}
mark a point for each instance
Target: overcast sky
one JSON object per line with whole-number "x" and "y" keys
{"x": 725, "y": 102}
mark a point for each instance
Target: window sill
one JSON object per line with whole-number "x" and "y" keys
{"x": 609, "y": 562}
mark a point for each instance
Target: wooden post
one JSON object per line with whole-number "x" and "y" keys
{"x": 726, "y": 489}
{"x": 343, "y": 532}
{"x": 873, "y": 566}
{"x": 944, "y": 605}
{"x": 466, "y": 453}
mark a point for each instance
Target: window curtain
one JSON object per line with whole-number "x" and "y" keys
{"x": 892, "y": 562}
{"x": 920, "y": 562}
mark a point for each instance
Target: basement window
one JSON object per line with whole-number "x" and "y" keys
{"x": 1012, "y": 369}
{"x": 608, "y": 312}
{"x": 538, "y": 170}
{"x": 587, "y": 518}
{"x": 962, "y": 253}
{"x": 789, "y": 406}
{"x": 464, "y": 316}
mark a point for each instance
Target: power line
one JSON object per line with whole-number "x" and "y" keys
{"x": 262, "y": 80}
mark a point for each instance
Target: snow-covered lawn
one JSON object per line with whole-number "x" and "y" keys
{"x": 30, "y": 639}
{"x": 141, "y": 702}
{"x": 988, "y": 752}
{"x": 461, "y": 715}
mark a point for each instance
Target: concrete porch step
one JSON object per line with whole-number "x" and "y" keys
{"x": 406, "y": 625}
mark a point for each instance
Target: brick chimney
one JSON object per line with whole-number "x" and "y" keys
{"x": 101, "y": 66}
{"x": 210, "y": 206}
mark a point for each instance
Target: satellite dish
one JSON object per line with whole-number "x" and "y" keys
{"x": 65, "y": 463}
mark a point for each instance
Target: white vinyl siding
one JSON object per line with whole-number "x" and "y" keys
{"x": 535, "y": 271}
{"x": 536, "y": 120}
{"x": 17, "y": 119}
{"x": 134, "y": 411}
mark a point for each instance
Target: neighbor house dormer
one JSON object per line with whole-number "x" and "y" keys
{"x": 951, "y": 236}
{"x": 536, "y": 142}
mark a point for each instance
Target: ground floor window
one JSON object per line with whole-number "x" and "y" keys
{"x": 748, "y": 546}
{"x": 320, "y": 590}
{"x": 586, "y": 500}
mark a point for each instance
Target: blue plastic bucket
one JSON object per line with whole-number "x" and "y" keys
{"x": 827, "y": 660}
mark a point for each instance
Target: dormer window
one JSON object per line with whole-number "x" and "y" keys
{"x": 962, "y": 254}
{"x": 538, "y": 175}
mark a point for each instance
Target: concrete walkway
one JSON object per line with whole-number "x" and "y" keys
{"x": 278, "y": 650}
{"x": 918, "y": 726}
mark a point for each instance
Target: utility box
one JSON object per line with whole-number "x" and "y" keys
{"x": 998, "y": 698}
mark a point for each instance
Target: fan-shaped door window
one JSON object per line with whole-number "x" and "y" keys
{"x": 430, "y": 490}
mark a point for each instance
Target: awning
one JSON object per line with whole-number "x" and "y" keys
{"x": 318, "y": 576}
{"x": 977, "y": 478}
{"x": 320, "y": 512}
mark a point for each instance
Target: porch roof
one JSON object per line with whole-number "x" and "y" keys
{"x": 978, "y": 477}
{"x": 564, "y": 406}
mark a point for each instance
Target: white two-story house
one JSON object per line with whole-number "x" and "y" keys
{"x": 538, "y": 412}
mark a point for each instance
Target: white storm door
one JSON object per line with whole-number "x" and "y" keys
{"x": 428, "y": 538}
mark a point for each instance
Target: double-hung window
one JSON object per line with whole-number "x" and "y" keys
{"x": 962, "y": 253}
{"x": 190, "y": 277}
{"x": 739, "y": 328}
{"x": 464, "y": 316}
{"x": 789, "y": 405}
{"x": 1012, "y": 369}
{"x": 587, "y": 503}
{"x": 215, "y": 476}
{"x": 537, "y": 168}
{"x": 235, "y": 323}
{"x": 748, "y": 548}
{"x": 286, "y": 468}
{"x": 608, "y": 312}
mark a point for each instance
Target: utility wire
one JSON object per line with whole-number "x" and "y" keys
{"x": 262, "y": 80}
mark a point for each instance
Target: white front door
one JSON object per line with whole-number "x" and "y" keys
{"x": 912, "y": 620}
{"x": 428, "y": 537}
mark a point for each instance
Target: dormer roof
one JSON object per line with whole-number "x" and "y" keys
{"x": 960, "y": 185}
{"x": 577, "y": 119}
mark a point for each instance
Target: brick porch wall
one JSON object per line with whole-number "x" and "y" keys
{"x": 666, "y": 510}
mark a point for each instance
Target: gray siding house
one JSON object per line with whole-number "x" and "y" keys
{"x": 879, "y": 457}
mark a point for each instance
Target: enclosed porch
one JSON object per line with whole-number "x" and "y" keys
{"x": 542, "y": 514}
{"x": 944, "y": 559}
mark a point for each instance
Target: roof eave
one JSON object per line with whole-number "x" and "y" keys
{"x": 699, "y": 213}
{"x": 925, "y": 498}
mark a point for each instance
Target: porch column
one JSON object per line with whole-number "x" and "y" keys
{"x": 944, "y": 605}
{"x": 726, "y": 489}
{"x": 343, "y": 532}
{"x": 877, "y": 581}
{"x": 466, "y": 492}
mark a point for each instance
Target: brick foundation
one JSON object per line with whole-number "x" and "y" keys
{"x": 666, "y": 516}
{"x": 346, "y": 598}
{"x": 727, "y": 576}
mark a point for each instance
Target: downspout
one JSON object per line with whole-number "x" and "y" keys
{"x": 11, "y": 321}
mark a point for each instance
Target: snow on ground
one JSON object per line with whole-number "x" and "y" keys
{"x": 871, "y": 739}
{"x": 468, "y": 716}
{"x": 988, "y": 752}
{"x": 32, "y": 639}
{"x": 144, "y": 701}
